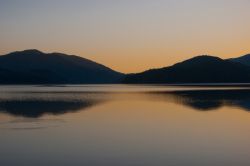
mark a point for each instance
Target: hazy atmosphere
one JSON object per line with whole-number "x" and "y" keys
{"x": 127, "y": 35}
{"x": 124, "y": 82}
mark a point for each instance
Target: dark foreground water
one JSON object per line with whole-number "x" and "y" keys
{"x": 116, "y": 125}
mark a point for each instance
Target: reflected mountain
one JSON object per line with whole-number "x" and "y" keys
{"x": 37, "y": 107}
{"x": 206, "y": 100}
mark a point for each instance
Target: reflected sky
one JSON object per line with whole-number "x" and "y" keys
{"x": 38, "y": 101}
{"x": 164, "y": 127}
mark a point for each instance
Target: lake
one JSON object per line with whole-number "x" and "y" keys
{"x": 124, "y": 125}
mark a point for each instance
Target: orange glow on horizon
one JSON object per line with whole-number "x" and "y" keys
{"x": 128, "y": 36}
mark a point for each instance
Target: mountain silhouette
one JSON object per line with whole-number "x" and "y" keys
{"x": 243, "y": 60}
{"x": 36, "y": 67}
{"x": 200, "y": 69}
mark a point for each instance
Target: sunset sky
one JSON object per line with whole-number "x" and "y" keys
{"x": 127, "y": 35}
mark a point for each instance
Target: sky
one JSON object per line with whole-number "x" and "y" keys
{"x": 127, "y": 35}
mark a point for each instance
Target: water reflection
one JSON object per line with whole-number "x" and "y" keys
{"x": 147, "y": 127}
{"x": 30, "y": 124}
{"x": 35, "y": 105}
{"x": 206, "y": 100}
{"x": 39, "y": 104}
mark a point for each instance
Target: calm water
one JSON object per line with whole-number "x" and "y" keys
{"x": 116, "y": 125}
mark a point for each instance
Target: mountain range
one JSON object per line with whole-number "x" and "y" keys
{"x": 36, "y": 67}
{"x": 200, "y": 69}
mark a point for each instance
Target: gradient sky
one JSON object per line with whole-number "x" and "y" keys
{"x": 127, "y": 35}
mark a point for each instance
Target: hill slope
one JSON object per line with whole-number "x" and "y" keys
{"x": 200, "y": 69}
{"x": 35, "y": 67}
{"x": 243, "y": 59}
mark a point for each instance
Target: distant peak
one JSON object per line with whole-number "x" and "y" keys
{"x": 204, "y": 58}
{"x": 29, "y": 52}
{"x": 35, "y": 51}
{"x": 243, "y": 58}
{"x": 200, "y": 59}
{"x": 247, "y": 55}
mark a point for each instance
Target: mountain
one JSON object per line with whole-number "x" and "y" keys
{"x": 200, "y": 69}
{"x": 36, "y": 67}
{"x": 243, "y": 59}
